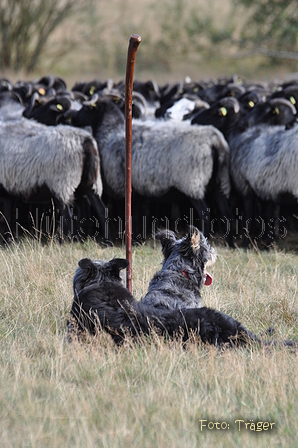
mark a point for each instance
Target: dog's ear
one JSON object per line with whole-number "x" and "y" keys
{"x": 119, "y": 263}
{"x": 116, "y": 265}
{"x": 195, "y": 237}
{"x": 85, "y": 263}
{"x": 89, "y": 267}
{"x": 168, "y": 240}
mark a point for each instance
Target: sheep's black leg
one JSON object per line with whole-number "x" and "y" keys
{"x": 100, "y": 209}
{"x": 137, "y": 207}
{"x": 248, "y": 205}
{"x": 269, "y": 210}
{"x": 7, "y": 213}
{"x": 203, "y": 211}
{"x": 225, "y": 213}
{"x": 65, "y": 218}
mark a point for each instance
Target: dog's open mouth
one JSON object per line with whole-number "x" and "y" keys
{"x": 208, "y": 279}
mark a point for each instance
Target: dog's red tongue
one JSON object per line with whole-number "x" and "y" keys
{"x": 208, "y": 279}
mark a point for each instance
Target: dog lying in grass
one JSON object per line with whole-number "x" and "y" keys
{"x": 101, "y": 302}
{"x": 179, "y": 282}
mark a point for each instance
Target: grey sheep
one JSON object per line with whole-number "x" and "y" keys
{"x": 165, "y": 154}
{"x": 39, "y": 160}
{"x": 265, "y": 159}
{"x": 264, "y": 162}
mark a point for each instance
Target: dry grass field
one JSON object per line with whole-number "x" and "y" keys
{"x": 154, "y": 393}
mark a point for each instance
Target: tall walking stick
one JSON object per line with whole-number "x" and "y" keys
{"x": 134, "y": 42}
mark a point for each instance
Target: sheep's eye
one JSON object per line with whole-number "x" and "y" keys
{"x": 196, "y": 89}
{"x": 59, "y": 106}
{"x": 292, "y": 99}
{"x": 251, "y": 103}
{"x": 181, "y": 91}
{"x": 232, "y": 93}
{"x": 41, "y": 91}
{"x": 92, "y": 89}
{"x": 276, "y": 111}
{"x": 223, "y": 111}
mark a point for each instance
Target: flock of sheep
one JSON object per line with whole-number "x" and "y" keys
{"x": 221, "y": 154}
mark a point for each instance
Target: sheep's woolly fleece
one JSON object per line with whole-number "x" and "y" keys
{"x": 35, "y": 155}
{"x": 165, "y": 155}
{"x": 265, "y": 159}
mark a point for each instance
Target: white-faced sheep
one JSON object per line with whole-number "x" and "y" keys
{"x": 39, "y": 162}
{"x": 165, "y": 155}
{"x": 184, "y": 108}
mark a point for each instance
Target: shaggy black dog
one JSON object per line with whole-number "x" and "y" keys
{"x": 102, "y": 302}
{"x": 179, "y": 282}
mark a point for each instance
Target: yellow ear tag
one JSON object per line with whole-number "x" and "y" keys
{"x": 42, "y": 91}
{"x": 276, "y": 111}
{"x": 93, "y": 105}
{"x": 292, "y": 99}
{"x": 92, "y": 89}
{"x": 223, "y": 111}
{"x": 251, "y": 103}
{"x": 59, "y": 107}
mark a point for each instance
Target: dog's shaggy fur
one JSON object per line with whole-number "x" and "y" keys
{"x": 179, "y": 282}
{"x": 102, "y": 302}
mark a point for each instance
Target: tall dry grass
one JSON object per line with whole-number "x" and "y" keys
{"x": 155, "y": 393}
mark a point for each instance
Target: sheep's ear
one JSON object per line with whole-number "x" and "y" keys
{"x": 168, "y": 240}
{"x": 194, "y": 235}
{"x": 117, "y": 264}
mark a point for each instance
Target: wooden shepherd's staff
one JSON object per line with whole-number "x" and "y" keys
{"x": 134, "y": 42}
